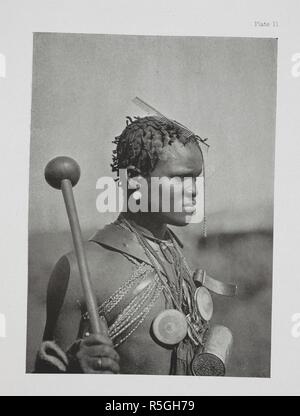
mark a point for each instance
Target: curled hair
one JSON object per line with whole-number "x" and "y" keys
{"x": 139, "y": 145}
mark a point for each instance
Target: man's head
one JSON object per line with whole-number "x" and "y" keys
{"x": 157, "y": 149}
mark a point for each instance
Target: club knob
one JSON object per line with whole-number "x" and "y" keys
{"x": 60, "y": 168}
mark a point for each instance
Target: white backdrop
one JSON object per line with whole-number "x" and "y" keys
{"x": 213, "y": 18}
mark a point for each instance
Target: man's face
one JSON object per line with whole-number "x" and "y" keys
{"x": 183, "y": 164}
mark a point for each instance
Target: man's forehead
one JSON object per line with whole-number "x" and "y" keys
{"x": 179, "y": 159}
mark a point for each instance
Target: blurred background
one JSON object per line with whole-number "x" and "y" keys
{"x": 223, "y": 89}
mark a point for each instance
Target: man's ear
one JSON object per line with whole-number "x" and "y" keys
{"x": 134, "y": 183}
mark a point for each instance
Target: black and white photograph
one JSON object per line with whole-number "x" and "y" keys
{"x": 151, "y": 198}
{"x": 150, "y": 205}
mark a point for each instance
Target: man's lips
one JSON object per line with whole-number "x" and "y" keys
{"x": 189, "y": 208}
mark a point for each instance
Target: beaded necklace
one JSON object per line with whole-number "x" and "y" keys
{"x": 137, "y": 309}
{"x": 197, "y": 327}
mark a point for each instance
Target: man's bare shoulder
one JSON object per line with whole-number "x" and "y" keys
{"x": 108, "y": 270}
{"x": 96, "y": 256}
{"x": 109, "y": 254}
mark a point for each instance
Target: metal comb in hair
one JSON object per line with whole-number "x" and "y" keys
{"x": 151, "y": 110}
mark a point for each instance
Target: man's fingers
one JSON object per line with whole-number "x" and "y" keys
{"x": 103, "y": 350}
{"x": 104, "y": 364}
{"x": 95, "y": 339}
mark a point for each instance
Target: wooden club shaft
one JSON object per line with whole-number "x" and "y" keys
{"x": 97, "y": 327}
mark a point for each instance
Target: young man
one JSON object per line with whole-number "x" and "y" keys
{"x": 157, "y": 312}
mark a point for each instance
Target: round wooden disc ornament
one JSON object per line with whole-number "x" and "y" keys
{"x": 204, "y": 303}
{"x": 170, "y": 327}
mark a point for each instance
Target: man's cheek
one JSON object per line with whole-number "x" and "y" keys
{"x": 198, "y": 215}
{"x": 176, "y": 192}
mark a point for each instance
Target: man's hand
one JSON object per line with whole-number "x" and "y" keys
{"x": 97, "y": 355}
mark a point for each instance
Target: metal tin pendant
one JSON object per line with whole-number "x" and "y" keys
{"x": 204, "y": 303}
{"x": 212, "y": 360}
{"x": 170, "y": 327}
{"x": 207, "y": 365}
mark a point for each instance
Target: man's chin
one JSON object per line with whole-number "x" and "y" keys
{"x": 179, "y": 219}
